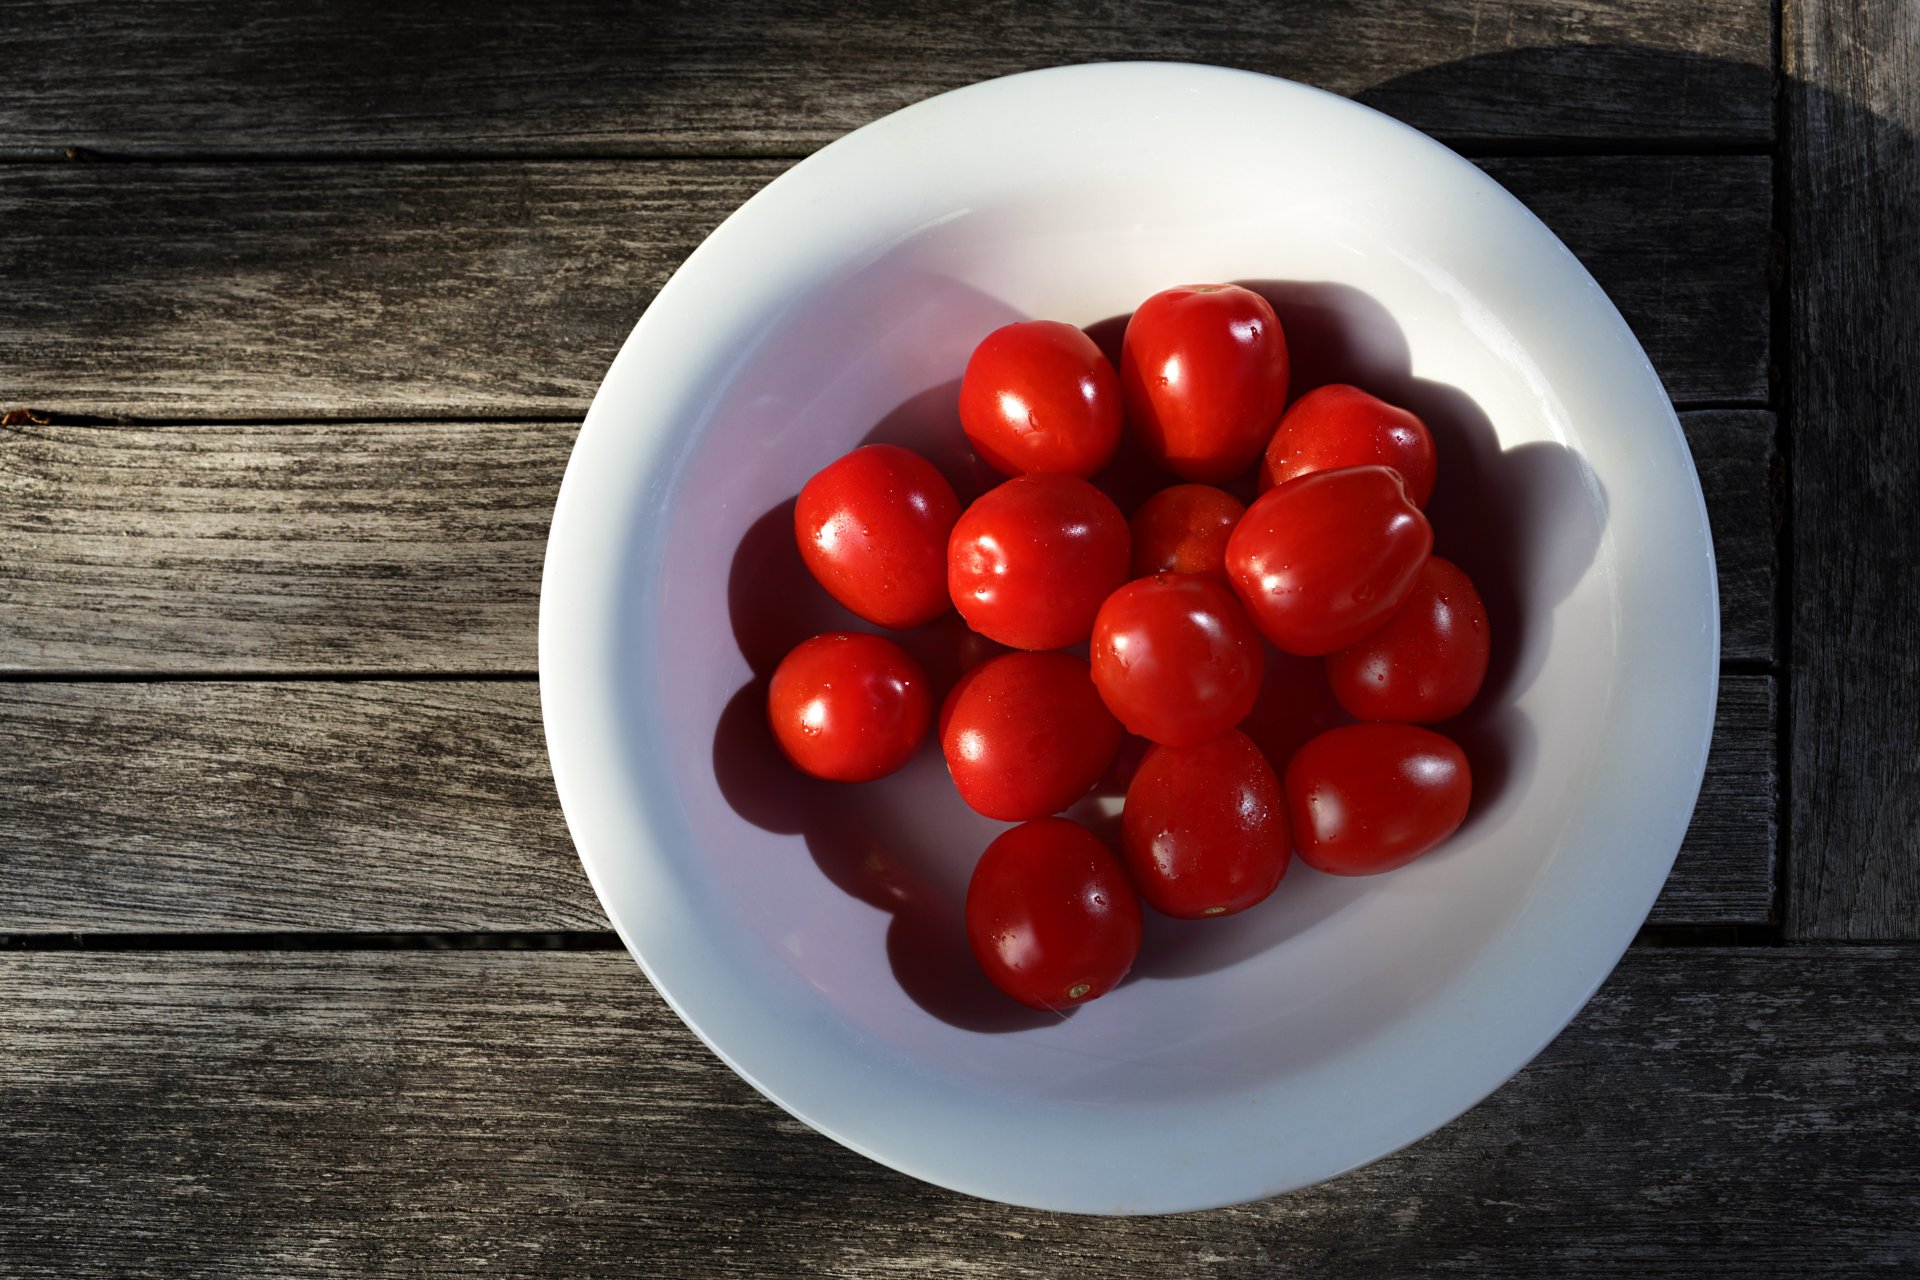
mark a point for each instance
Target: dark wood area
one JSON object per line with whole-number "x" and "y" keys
{"x": 299, "y": 309}
{"x": 766, "y": 77}
{"x": 1853, "y": 102}
{"x": 1711, "y": 1113}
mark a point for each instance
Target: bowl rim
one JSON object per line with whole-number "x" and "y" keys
{"x": 573, "y": 709}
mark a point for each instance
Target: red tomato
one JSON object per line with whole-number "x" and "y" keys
{"x": 1184, "y": 530}
{"x": 1371, "y": 797}
{"x": 1039, "y": 397}
{"x": 1204, "y": 372}
{"x": 873, "y": 529}
{"x": 1175, "y": 658}
{"x": 1322, "y": 560}
{"x": 1026, "y": 734}
{"x": 1050, "y": 915}
{"x": 849, "y": 707}
{"x": 1426, "y": 662}
{"x": 1030, "y": 561}
{"x": 1205, "y": 828}
{"x": 1340, "y": 426}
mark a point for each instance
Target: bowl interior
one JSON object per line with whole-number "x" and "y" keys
{"x": 813, "y": 932}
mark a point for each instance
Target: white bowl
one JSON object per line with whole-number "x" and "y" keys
{"x": 811, "y": 934}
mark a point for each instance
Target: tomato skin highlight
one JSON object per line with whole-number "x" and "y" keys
{"x": 1427, "y": 662}
{"x": 1339, "y": 426}
{"x": 1051, "y": 917}
{"x": 873, "y": 529}
{"x": 1176, "y": 659}
{"x": 849, "y": 707}
{"x": 1203, "y": 369}
{"x": 1039, "y": 397}
{"x": 1025, "y": 735}
{"x": 1185, "y": 529}
{"x": 1321, "y": 561}
{"x": 1030, "y": 562}
{"x": 1367, "y": 798}
{"x": 1204, "y": 831}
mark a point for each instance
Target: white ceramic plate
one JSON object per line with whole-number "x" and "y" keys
{"x": 811, "y": 935}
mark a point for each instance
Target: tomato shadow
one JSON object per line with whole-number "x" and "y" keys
{"x": 1524, "y": 522}
{"x": 871, "y": 842}
{"x": 929, "y": 424}
{"x": 905, "y": 844}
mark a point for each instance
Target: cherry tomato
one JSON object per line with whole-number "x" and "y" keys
{"x": 1366, "y": 798}
{"x": 1030, "y": 561}
{"x": 1176, "y": 659}
{"x": 1050, "y": 915}
{"x": 1184, "y": 530}
{"x": 1039, "y": 397}
{"x": 1426, "y": 662}
{"x": 1322, "y": 560}
{"x": 1204, "y": 832}
{"x": 849, "y": 707}
{"x": 1340, "y": 426}
{"x": 1026, "y": 734}
{"x": 873, "y": 529}
{"x": 1204, "y": 372}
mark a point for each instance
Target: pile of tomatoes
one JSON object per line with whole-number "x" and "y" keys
{"x": 1332, "y": 560}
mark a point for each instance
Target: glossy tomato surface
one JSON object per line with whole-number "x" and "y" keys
{"x": 1176, "y": 659}
{"x": 1367, "y": 798}
{"x": 1341, "y": 426}
{"x": 1322, "y": 560}
{"x": 1051, "y": 916}
{"x": 1026, "y": 735}
{"x": 849, "y": 707}
{"x": 873, "y": 529}
{"x": 1185, "y": 530}
{"x": 1426, "y": 662}
{"x": 1039, "y": 397}
{"x": 1031, "y": 560}
{"x": 1203, "y": 369}
{"x": 1204, "y": 831}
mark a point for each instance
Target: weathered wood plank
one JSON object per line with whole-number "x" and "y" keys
{"x": 1854, "y": 106}
{"x": 1724, "y": 873}
{"x": 501, "y": 290}
{"x": 1733, "y": 452}
{"x": 362, "y": 547}
{"x": 580, "y": 78}
{"x": 305, "y": 291}
{"x": 368, "y": 807}
{"x": 1711, "y": 1113}
{"x": 375, "y": 806}
{"x": 416, "y": 547}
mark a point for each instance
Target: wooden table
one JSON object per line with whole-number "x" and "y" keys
{"x": 298, "y": 973}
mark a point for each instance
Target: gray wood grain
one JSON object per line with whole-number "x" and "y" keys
{"x": 353, "y": 548}
{"x": 1711, "y": 1113}
{"x": 378, "y": 806}
{"x": 360, "y": 806}
{"x": 577, "y": 77}
{"x": 1734, "y": 454}
{"x": 1854, "y": 107}
{"x": 1725, "y": 871}
{"x": 417, "y": 547}
{"x": 299, "y": 291}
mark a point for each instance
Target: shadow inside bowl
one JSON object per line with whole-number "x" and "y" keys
{"x": 874, "y": 853}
